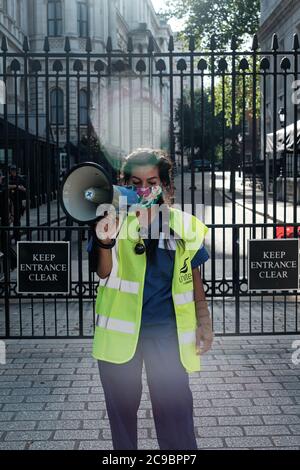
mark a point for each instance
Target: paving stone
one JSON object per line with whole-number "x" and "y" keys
{"x": 263, "y": 386}
{"x": 15, "y": 384}
{"x": 32, "y": 391}
{"x": 17, "y": 425}
{"x": 95, "y": 424}
{"x": 205, "y": 421}
{"x": 27, "y": 435}
{"x": 23, "y": 407}
{"x": 12, "y": 399}
{"x": 52, "y": 445}
{"x": 212, "y": 394}
{"x": 214, "y": 411}
{"x": 12, "y": 445}
{"x": 44, "y": 398}
{"x": 65, "y": 406}
{"x": 4, "y": 416}
{"x": 281, "y": 419}
{"x": 219, "y": 431}
{"x": 85, "y": 397}
{"x": 295, "y": 428}
{"x": 232, "y": 402}
{"x": 265, "y": 430}
{"x": 78, "y": 435}
{"x": 239, "y": 420}
{"x": 287, "y": 441}
{"x": 250, "y": 394}
{"x": 148, "y": 444}
{"x": 291, "y": 409}
{"x": 273, "y": 401}
{"x": 258, "y": 410}
{"x": 248, "y": 442}
{"x": 96, "y": 445}
{"x": 285, "y": 393}
{"x": 59, "y": 424}
{"x": 226, "y": 387}
{"x": 70, "y": 390}
{"x": 209, "y": 442}
{"x": 81, "y": 415}
{"x": 36, "y": 415}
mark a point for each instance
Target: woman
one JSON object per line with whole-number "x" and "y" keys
{"x": 151, "y": 308}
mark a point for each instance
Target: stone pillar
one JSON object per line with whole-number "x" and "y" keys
{"x": 112, "y": 22}
{"x": 70, "y": 18}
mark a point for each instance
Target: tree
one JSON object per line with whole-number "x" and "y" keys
{"x": 243, "y": 94}
{"x": 208, "y": 133}
{"x": 219, "y": 17}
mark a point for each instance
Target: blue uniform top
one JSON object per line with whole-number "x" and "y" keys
{"x": 158, "y": 313}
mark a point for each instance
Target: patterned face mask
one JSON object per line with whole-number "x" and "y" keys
{"x": 148, "y": 195}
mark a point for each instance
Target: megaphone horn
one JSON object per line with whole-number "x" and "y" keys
{"x": 85, "y": 187}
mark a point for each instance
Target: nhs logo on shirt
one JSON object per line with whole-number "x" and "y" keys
{"x": 185, "y": 277}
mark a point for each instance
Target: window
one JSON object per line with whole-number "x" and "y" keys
{"x": 3, "y": 5}
{"x": 11, "y": 9}
{"x": 54, "y": 18}
{"x": 82, "y": 19}
{"x": 83, "y": 108}
{"x": 57, "y": 106}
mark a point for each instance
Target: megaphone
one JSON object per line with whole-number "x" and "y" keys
{"x": 85, "y": 187}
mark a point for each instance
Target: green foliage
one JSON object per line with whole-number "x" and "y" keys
{"x": 223, "y": 18}
{"x": 243, "y": 95}
{"x": 208, "y": 133}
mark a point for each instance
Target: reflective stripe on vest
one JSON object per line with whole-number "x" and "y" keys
{"x": 184, "y": 298}
{"x": 187, "y": 337}
{"x": 115, "y": 282}
{"x": 122, "y": 285}
{"x": 115, "y": 324}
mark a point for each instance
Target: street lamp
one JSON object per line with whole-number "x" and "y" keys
{"x": 240, "y": 141}
{"x": 281, "y": 114}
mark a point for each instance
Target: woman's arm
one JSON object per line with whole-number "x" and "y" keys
{"x": 104, "y": 264}
{"x": 199, "y": 293}
{"x": 204, "y": 333}
{"x": 108, "y": 227}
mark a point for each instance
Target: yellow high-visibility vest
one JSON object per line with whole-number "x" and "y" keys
{"x": 120, "y": 295}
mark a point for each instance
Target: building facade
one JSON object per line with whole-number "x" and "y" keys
{"x": 86, "y": 100}
{"x": 283, "y": 18}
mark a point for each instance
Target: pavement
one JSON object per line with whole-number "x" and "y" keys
{"x": 247, "y": 396}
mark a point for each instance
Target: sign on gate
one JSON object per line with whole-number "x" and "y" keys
{"x": 273, "y": 264}
{"x": 43, "y": 267}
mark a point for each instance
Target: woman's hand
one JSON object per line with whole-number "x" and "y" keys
{"x": 106, "y": 228}
{"x": 204, "y": 335}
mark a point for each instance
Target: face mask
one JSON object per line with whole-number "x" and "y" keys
{"x": 149, "y": 195}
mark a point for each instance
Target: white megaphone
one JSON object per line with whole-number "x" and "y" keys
{"x": 85, "y": 187}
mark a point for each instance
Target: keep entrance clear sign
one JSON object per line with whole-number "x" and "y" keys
{"x": 43, "y": 267}
{"x": 273, "y": 264}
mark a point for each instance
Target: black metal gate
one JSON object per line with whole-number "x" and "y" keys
{"x": 215, "y": 112}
